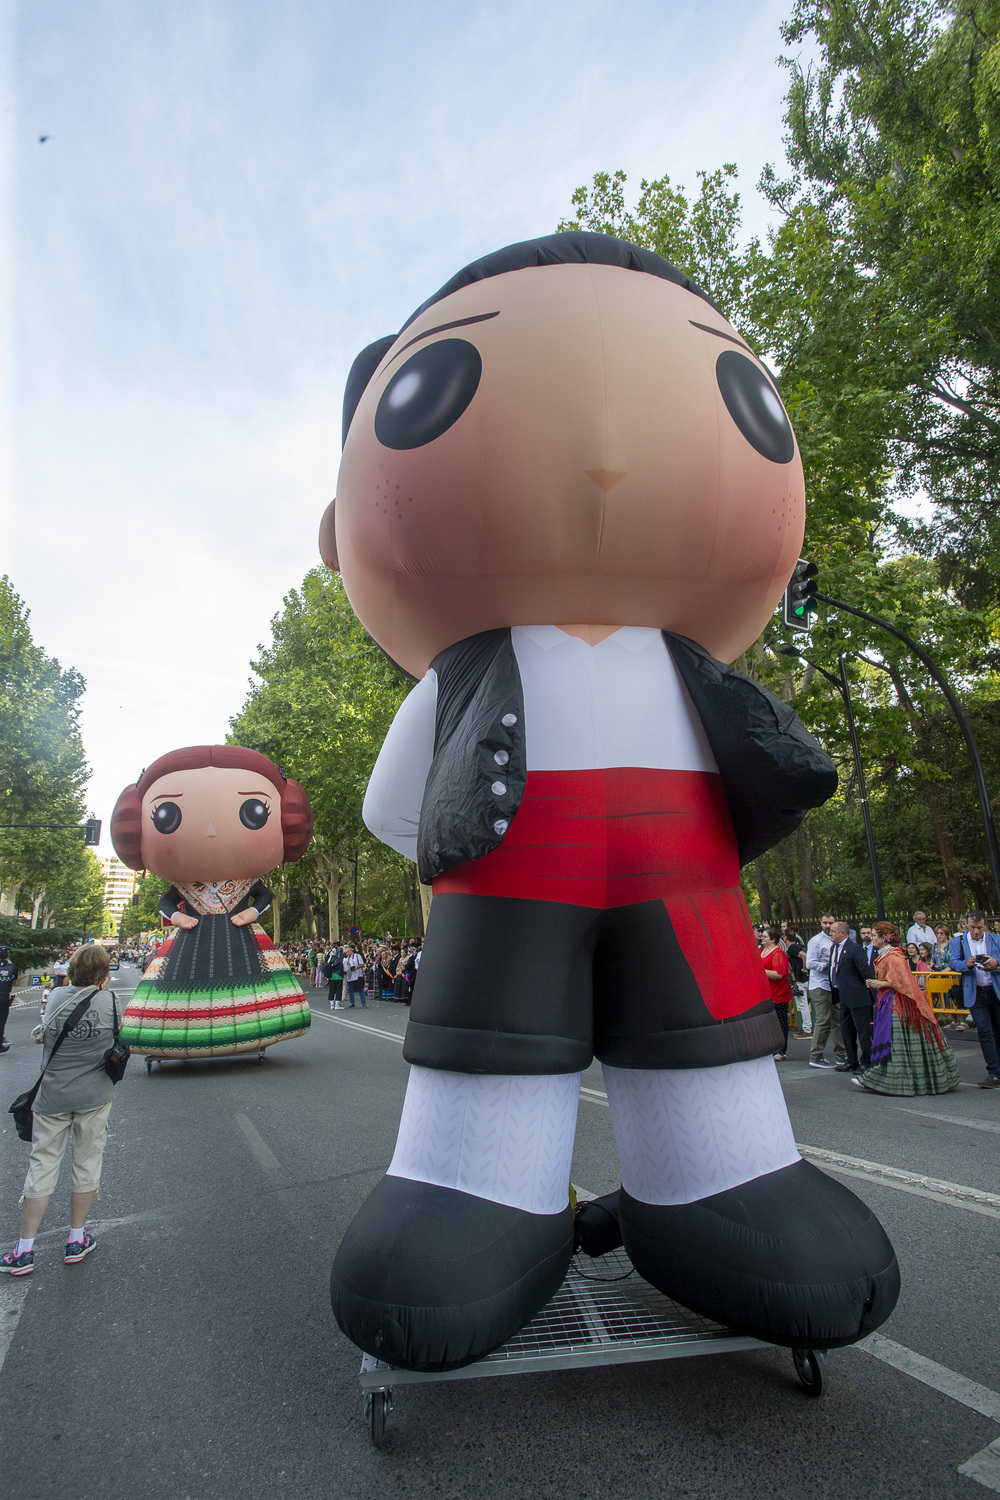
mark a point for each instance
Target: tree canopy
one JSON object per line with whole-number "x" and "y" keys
{"x": 47, "y": 873}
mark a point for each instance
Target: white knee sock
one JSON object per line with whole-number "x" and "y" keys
{"x": 509, "y": 1139}
{"x": 687, "y": 1133}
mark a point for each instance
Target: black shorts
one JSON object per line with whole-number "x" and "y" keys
{"x": 514, "y": 986}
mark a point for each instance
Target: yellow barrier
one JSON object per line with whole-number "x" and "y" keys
{"x": 937, "y": 986}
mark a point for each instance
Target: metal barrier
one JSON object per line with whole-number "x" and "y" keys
{"x": 938, "y": 985}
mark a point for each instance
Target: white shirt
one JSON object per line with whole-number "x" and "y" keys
{"x": 619, "y": 703}
{"x": 836, "y": 954}
{"x": 921, "y": 935}
{"x": 353, "y": 967}
{"x": 818, "y": 952}
{"x": 984, "y": 978}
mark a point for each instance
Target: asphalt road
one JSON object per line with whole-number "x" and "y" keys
{"x": 193, "y": 1355}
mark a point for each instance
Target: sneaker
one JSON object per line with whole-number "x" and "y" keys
{"x": 819, "y": 1062}
{"x": 77, "y": 1249}
{"x": 18, "y": 1265}
{"x": 5, "y": 1047}
{"x": 780, "y": 1057}
{"x": 844, "y": 1067}
{"x": 992, "y": 1082}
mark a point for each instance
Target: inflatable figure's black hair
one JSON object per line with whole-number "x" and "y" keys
{"x": 577, "y": 248}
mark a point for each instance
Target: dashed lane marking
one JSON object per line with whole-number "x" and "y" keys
{"x": 12, "y": 1299}
{"x": 266, "y": 1158}
{"x": 984, "y": 1466}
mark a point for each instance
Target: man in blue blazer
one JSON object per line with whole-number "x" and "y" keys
{"x": 850, "y": 970}
{"x": 975, "y": 953}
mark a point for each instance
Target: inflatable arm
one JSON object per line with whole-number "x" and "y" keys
{"x": 391, "y": 808}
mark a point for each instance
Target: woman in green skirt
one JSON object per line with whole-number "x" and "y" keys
{"x": 909, "y": 1054}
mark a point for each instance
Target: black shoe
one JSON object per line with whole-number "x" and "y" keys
{"x": 844, "y": 1067}
{"x": 4, "y": 1046}
{"x": 990, "y": 1082}
{"x": 429, "y": 1278}
{"x": 791, "y": 1257}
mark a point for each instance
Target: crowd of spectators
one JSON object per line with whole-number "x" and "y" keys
{"x": 356, "y": 973}
{"x": 811, "y": 979}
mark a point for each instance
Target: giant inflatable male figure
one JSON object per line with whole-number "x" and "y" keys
{"x": 569, "y": 495}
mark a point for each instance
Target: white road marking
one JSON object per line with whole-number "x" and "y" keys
{"x": 969, "y": 1392}
{"x": 952, "y": 1119}
{"x": 12, "y": 1300}
{"x": 266, "y": 1158}
{"x": 393, "y": 1036}
{"x": 594, "y": 1096}
{"x": 984, "y": 1466}
{"x": 975, "y": 1200}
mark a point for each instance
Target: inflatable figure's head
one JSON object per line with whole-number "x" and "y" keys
{"x": 568, "y": 432}
{"x": 211, "y": 812}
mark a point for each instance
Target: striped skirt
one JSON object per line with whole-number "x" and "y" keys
{"x": 214, "y": 990}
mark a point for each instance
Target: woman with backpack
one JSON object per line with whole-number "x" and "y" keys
{"x": 74, "y": 1099}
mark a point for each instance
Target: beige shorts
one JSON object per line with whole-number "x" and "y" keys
{"x": 49, "y": 1140}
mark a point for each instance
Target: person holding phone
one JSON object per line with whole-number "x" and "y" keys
{"x": 975, "y": 953}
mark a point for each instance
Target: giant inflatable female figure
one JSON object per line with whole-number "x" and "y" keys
{"x": 211, "y": 819}
{"x": 569, "y": 496}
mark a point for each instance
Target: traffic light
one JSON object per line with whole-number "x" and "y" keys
{"x": 800, "y": 600}
{"x": 92, "y": 832}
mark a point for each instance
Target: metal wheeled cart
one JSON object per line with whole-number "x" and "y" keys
{"x": 603, "y": 1314}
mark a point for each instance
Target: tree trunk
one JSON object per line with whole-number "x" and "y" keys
{"x": 276, "y": 917}
{"x": 333, "y": 910}
{"x": 763, "y": 889}
{"x": 426, "y": 897}
{"x": 36, "y": 906}
{"x": 413, "y": 910}
{"x": 310, "y": 915}
{"x": 807, "y": 894}
{"x": 932, "y": 797}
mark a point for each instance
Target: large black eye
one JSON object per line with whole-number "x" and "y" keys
{"x": 167, "y": 817}
{"x": 428, "y": 394}
{"x": 755, "y": 406}
{"x": 254, "y": 813}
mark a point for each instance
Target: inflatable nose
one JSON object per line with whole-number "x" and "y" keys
{"x": 210, "y": 831}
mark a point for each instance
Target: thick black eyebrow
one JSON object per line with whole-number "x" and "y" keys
{"x": 720, "y": 335}
{"x": 443, "y": 327}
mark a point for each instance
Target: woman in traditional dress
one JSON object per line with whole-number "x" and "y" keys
{"x": 210, "y": 818}
{"x": 909, "y": 1054}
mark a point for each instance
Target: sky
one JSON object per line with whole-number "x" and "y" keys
{"x": 232, "y": 199}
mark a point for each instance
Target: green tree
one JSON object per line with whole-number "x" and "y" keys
{"x": 321, "y": 707}
{"x": 43, "y": 769}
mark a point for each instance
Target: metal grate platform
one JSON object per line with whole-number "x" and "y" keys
{"x": 603, "y": 1314}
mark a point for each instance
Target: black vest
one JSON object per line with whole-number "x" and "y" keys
{"x": 772, "y": 769}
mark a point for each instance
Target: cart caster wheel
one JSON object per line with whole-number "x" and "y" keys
{"x": 260, "y": 1057}
{"x": 810, "y": 1367}
{"x": 378, "y": 1405}
{"x": 149, "y": 1065}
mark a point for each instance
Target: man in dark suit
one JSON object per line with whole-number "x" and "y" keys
{"x": 850, "y": 969}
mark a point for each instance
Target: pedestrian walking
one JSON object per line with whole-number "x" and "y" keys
{"x": 8, "y": 975}
{"x": 909, "y": 1053}
{"x": 850, "y": 971}
{"x": 74, "y": 1099}
{"x": 826, "y": 1016}
{"x": 975, "y": 953}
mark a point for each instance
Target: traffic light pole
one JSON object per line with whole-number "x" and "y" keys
{"x": 845, "y": 689}
{"x": 843, "y": 686}
{"x": 986, "y": 811}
